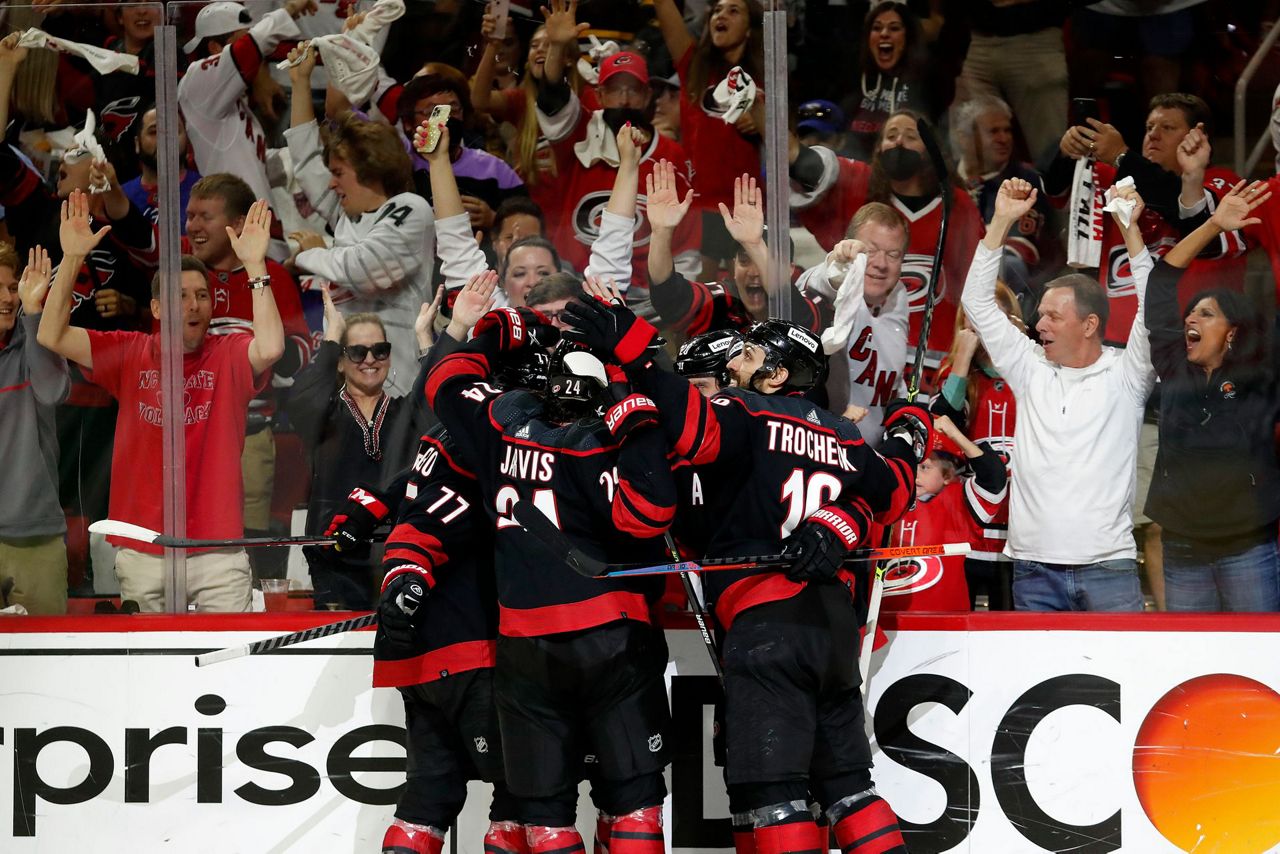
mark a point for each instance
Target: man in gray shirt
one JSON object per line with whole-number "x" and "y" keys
{"x": 33, "y": 381}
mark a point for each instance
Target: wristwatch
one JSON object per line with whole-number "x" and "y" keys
{"x": 1120, "y": 157}
{"x": 257, "y": 283}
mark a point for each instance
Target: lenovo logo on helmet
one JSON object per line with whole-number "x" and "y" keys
{"x": 806, "y": 340}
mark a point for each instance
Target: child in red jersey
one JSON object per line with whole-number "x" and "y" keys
{"x": 950, "y": 508}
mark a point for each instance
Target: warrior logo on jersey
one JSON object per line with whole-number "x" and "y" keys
{"x": 590, "y": 210}
{"x": 904, "y": 577}
{"x": 917, "y": 275}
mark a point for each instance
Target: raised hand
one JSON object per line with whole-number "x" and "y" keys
{"x": 334, "y": 323}
{"x": 746, "y": 223}
{"x": 305, "y": 57}
{"x": 75, "y": 233}
{"x": 34, "y": 284}
{"x": 424, "y": 326}
{"x": 1194, "y": 152}
{"x": 1015, "y": 199}
{"x": 630, "y": 140}
{"x": 846, "y": 251}
{"x": 1138, "y": 207}
{"x": 11, "y": 56}
{"x": 297, "y": 8}
{"x": 422, "y": 139}
{"x": 1234, "y": 208}
{"x": 1107, "y": 143}
{"x": 250, "y": 245}
{"x": 475, "y": 298}
{"x": 561, "y": 17}
{"x": 664, "y": 208}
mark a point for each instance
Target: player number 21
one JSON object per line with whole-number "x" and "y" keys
{"x": 803, "y": 499}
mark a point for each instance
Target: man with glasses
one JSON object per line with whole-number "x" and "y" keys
{"x": 871, "y": 319}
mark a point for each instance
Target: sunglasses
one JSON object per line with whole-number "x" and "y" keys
{"x": 356, "y": 352}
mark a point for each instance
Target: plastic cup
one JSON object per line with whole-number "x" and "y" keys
{"x": 275, "y": 593}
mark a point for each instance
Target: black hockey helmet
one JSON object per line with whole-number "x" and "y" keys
{"x": 527, "y": 368}
{"x": 708, "y": 355}
{"x": 791, "y": 346}
{"x": 576, "y": 382}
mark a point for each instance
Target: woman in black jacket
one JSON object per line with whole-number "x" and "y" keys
{"x": 355, "y": 435}
{"x": 1216, "y": 486}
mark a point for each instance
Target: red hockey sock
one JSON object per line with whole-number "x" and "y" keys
{"x": 871, "y": 829}
{"x": 638, "y": 832}
{"x": 797, "y": 837}
{"x": 506, "y": 837}
{"x": 405, "y": 838}
{"x": 744, "y": 840}
{"x": 604, "y": 828}
{"x": 554, "y": 840}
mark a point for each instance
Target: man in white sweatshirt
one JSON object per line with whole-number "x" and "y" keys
{"x": 1076, "y": 440}
{"x": 870, "y": 325}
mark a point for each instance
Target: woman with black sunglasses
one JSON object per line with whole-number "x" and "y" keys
{"x": 355, "y": 433}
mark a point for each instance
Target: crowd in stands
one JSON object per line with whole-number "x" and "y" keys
{"x": 1104, "y": 384}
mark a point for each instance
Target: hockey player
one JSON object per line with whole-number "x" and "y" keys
{"x": 579, "y": 661}
{"x": 783, "y": 475}
{"x": 870, "y": 326}
{"x": 704, "y": 360}
{"x": 949, "y": 508}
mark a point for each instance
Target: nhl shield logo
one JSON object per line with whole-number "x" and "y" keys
{"x": 482, "y": 746}
{"x": 655, "y": 743}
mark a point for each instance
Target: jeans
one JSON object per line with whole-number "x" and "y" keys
{"x": 1109, "y": 585}
{"x": 1244, "y": 581}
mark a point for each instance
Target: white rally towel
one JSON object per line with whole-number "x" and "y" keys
{"x": 732, "y": 96}
{"x": 598, "y": 144}
{"x": 1084, "y": 230}
{"x": 350, "y": 58}
{"x": 589, "y": 63}
{"x": 103, "y": 61}
{"x": 85, "y": 144}
{"x": 836, "y": 336}
{"x": 1120, "y": 206}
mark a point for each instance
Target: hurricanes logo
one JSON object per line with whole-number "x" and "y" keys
{"x": 913, "y": 575}
{"x": 918, "y": 276}
{"x": 589, "y": 211}
{"x": 482, "y": 746}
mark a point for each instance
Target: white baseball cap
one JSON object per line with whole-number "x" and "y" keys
{"x": 218, "y": 19}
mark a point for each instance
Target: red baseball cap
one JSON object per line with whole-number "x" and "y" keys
{"x": 625, "y": 62}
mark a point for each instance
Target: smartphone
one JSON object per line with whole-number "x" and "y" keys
{"x": 1083, "y": 109}
{"x": 439, "y": 116}
{"x": 501, "y": 11}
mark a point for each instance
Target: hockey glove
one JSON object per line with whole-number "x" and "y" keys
{"x": 611, "y": 328}
{"x": 513, "y": 328}
{"x": 353, "y": 527}
{"x": 820, "y": 545}
{"x": 912, "y": 424}
{"x": 403, "y": 592}
{"x": 632, "y": 413}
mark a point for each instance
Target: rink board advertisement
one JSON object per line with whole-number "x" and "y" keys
{"x": 993, "y": 734}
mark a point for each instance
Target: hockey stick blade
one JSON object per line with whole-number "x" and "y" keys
{"x": 777, "y": 561}
{"x": 545, "y": 531}
{"x": 128, "y": 531}
{"x": 280, "y": 641}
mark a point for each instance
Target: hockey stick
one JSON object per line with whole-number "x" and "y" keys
{"x": 545, "y": 531}
{"x": 112, "y": 528}
{"x": 913, "y": 388}
{"x": 781, "y": 562}
{"x": 700, "y": 615}
{"x": 280, "y": 641}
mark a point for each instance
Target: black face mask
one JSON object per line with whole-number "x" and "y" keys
{"x": 901, "y": 164}
{"x": 616, "y": 117}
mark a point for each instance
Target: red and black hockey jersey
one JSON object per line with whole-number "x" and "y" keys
{"x": 443, "y": 535}
{"x": 612, "y": 501}
{"x": 769, "y": 462}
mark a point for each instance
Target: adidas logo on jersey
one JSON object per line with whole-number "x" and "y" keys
{"x": 523, "y": 432}
{"x": 812, "y": 417}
